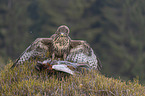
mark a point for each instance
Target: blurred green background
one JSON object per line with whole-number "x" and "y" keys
{"x": 115, "y": 29}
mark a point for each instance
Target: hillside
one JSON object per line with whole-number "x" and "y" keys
{"x": 25, "y": 80}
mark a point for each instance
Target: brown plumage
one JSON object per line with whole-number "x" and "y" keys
{"x": 61, "y": 42}
{"x": 60, "y": 45}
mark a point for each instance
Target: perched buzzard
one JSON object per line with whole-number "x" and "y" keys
{"x": 60, "y": 42}
{"x": 60, "y": 45}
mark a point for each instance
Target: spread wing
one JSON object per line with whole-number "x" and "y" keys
{"x": 81, "y": 52}
{"x": 38, "y": 48}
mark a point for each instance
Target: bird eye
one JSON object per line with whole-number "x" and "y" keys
{"x": 65, "y": 31}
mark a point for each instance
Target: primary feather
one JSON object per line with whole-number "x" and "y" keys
{"x": 80, "y": 54}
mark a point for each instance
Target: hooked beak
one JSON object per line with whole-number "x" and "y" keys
{"x": 61, "y": 34}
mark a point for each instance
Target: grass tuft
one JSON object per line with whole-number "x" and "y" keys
{"x": 25, "y": 80}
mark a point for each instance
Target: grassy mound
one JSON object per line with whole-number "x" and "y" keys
{"x": 25, "y": 80}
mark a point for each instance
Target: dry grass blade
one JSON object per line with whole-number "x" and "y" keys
{"x": 25, "y": 80}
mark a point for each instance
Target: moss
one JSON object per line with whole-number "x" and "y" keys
{"x": 25, "y": 80}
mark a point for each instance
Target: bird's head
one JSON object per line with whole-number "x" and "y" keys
{"x": 62, "y": 31}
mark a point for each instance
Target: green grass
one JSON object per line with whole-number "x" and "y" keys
{"x": 25, "y": 80}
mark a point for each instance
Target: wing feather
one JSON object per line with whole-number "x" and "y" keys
{"x": 37, "y": 48}
{"x": 81, "y": 52}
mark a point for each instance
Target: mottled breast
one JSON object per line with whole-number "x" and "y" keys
{"x": 61, "y": 45}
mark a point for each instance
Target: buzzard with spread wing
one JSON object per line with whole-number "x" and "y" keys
{"x": 60, "y": 45}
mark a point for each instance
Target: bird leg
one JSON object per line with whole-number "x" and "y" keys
{"x": 53, "y": 56}
{"x": 64, "y": 56}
